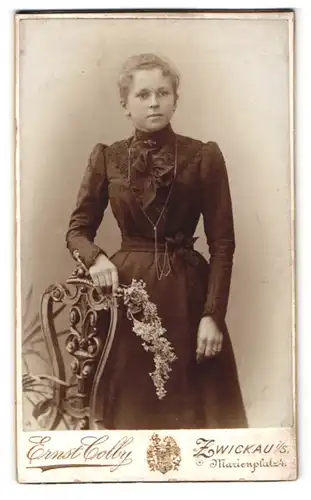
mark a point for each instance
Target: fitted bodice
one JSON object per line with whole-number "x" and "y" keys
{"x": 174, "y": 199}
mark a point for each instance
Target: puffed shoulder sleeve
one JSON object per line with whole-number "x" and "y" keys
{"x": 219, "y": 230}
{"x": 91, "y": 203}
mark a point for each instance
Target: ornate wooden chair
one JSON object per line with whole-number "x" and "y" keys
{"x": 92, "y": 325}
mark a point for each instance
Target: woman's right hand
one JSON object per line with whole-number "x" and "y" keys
{"x": 104, "y": 274}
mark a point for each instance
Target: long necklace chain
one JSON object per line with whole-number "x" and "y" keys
{"x": 160, "y": 269}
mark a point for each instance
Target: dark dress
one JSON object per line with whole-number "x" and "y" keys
{"x": 175, "y": 179}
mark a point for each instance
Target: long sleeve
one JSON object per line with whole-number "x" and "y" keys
{"x": 91, "y": 203}
{"x": 219, "y": 230}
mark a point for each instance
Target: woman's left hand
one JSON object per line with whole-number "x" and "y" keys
{"x": 209, "y": 340}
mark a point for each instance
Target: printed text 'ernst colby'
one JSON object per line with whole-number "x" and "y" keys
{"x": 91, "y": 449}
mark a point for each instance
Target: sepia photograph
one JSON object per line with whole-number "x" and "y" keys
{"x": 155, "y": 246}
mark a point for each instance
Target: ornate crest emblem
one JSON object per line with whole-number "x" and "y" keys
{"x": 163, "y": 454}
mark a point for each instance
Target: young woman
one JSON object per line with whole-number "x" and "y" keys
{"x": 159, "y": 183}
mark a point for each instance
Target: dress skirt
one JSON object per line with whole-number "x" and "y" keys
{"x": 199, "y": 395}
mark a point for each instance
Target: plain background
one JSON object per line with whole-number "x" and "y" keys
{"x": 234, "y": 90}
{"x": 257, "y": 490}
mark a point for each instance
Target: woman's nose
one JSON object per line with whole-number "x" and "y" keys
{"x": 154, "y": 101}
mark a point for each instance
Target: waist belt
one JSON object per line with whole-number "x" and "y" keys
{"x": 179, "y": 245}
{"x": 137, "y": 245}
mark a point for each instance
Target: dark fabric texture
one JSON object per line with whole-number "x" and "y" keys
{"x": 205, "y": 395}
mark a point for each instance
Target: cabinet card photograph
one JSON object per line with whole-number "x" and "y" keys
{"x": 155, "y": 283}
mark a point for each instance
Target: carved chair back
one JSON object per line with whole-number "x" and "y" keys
{"x": 92, "y": 324}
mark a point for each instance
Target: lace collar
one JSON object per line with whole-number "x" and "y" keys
{"x": 152, "y": 158}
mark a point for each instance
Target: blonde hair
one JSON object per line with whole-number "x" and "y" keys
{"x": 145, "y": 61}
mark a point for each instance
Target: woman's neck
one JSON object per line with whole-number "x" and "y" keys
{"x": 158, "y": 136}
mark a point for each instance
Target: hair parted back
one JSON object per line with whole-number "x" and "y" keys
{"x": 145, "y": 61}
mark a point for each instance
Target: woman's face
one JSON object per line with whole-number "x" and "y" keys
{"x": 151, "y": 100}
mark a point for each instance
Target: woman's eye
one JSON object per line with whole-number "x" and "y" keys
{"x": 143, "y": 95}
{"x": 163, "y": 92}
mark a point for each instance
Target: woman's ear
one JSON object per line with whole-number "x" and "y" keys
{"x": 175, "y": 103}
{"x": 125, "y": 109}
